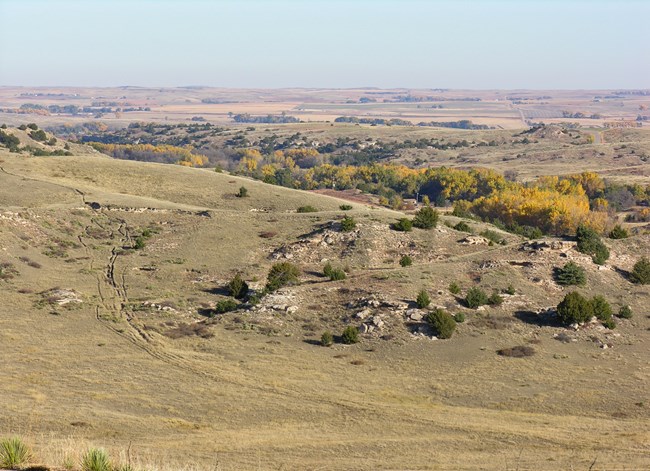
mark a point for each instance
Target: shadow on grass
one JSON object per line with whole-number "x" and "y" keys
{"x": 547, "y": 318}
{"x": 218, "y": 290}
{"x": 206, "y": 312}
{"x": 624, "y": 273}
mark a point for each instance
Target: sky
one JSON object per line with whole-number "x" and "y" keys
{"x": 470, "y": 44}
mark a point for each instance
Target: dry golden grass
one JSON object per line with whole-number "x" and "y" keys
{"x": 265, "y": 397}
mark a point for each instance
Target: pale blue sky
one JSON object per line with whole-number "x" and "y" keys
{"x": 478, "y": 44}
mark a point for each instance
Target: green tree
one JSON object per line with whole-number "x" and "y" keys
{"x": 570, "y": 274}
{"x": 601, "y": 308}
{"x": 495, "y": 299}
{"x": 282, "y": 274}
{"x": 454, "y": 288}
{"x": 462, "y": 226}
{"x": 225, "y": 305}
{"x": 403, "y": 225}
{"x": 426, "y": 218}
{"x": 406, "y": 261}
{"x": 476, "y": 297}
{"x": 243, "y": 192}
{"x": 589, "y": 243}
{"x": 348, "y": 224}
{"x": 139, "y": 243}
{"x": 442, "y": 323}
{"x": 350, "y": 335}
{"x": 337, "y": 274}
{"x": 327, "y": 339}
{"x": 237, "y": 287}
{"x": 625, "y": 312}
{"x": 328, "y": 269}
{"x": 574, "y": 308}
{"x": 423, "y": 299}
{"x": 641, "y": 272}
{"x": 618, "y": 233}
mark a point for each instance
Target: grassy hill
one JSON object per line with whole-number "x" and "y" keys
{"x": 106, "y": 344}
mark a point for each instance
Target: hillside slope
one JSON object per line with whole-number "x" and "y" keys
{"x": 106, "y": 344}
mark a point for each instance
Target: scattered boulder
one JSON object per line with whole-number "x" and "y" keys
{"x": 474, "y": 240}
{"x": 415, "y": 315}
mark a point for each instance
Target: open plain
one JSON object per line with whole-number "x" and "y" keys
{"x": 107, "y": 344}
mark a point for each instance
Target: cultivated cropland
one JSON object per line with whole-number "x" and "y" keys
{"x": 214, "y": 279}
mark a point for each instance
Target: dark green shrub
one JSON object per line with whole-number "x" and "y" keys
{"x": 493, "y": 237}
{"x": 243, "y": 192}
{"x": 350, "y": 335}
{"x": 589, "y": 243}
{"x": 476, "y": 297}
{"x": 641, "y": 272}
{"x": 570, "y": 274}
{"x": 426, "y": 218}
{"x": 345, "y": 207}
{"x": 139, "y": 243}
{"x": 495, "y": 299}
{"x": 574, "y": 308}
{"x": 307, "y": 209}
{"x": 337, "y": 274}
{"x": 403, "y": 225}
{"x": 327, "y": 339}
{"x": 406, "y": 261}
{"x": 22, "y": 127}
{"x": 96, "y": 459}
{"x": 618, "y": 233}
{"x": 520, "y": 351}
{"x": 459, "y": 317}
{"x": 9, "y": 140}
{"x": 625, "y": 312}
{"x": 601, "y": 308}
{"x": 454, "y": 288}
{"x": 225, "y": 305}
{"x": 442, "y": 323}
{"x": 423, "y": 299}
{"x": 32, "y": 126}
{"x": 609, "y": 323}
{"x": 237, "y": 287}
{"x": 510, "y": 290}
{"x": 38, "y": 135}
{"x": 348, "y": 224}
{"x": 463, "y": 227}
{"x": 282, "y": 274}
{"x": 328, "y": 269}
{"x": 13, "y": 453}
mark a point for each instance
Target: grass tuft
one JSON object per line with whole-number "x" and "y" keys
{"x": 13, "y": 453}
{"x": 96, "y": 459}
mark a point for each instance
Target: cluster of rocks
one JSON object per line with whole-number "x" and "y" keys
{"x": 546, "y": 245}
{"x": 277, "y": 302}
{"x": 62, "y": 296}
{"x": 475, "y": 240}
{"x": 159, "y": 307}
{"x": 374, "y": 312}
{"x": 378, "y": 315}
{"x": 305, "y": 248}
